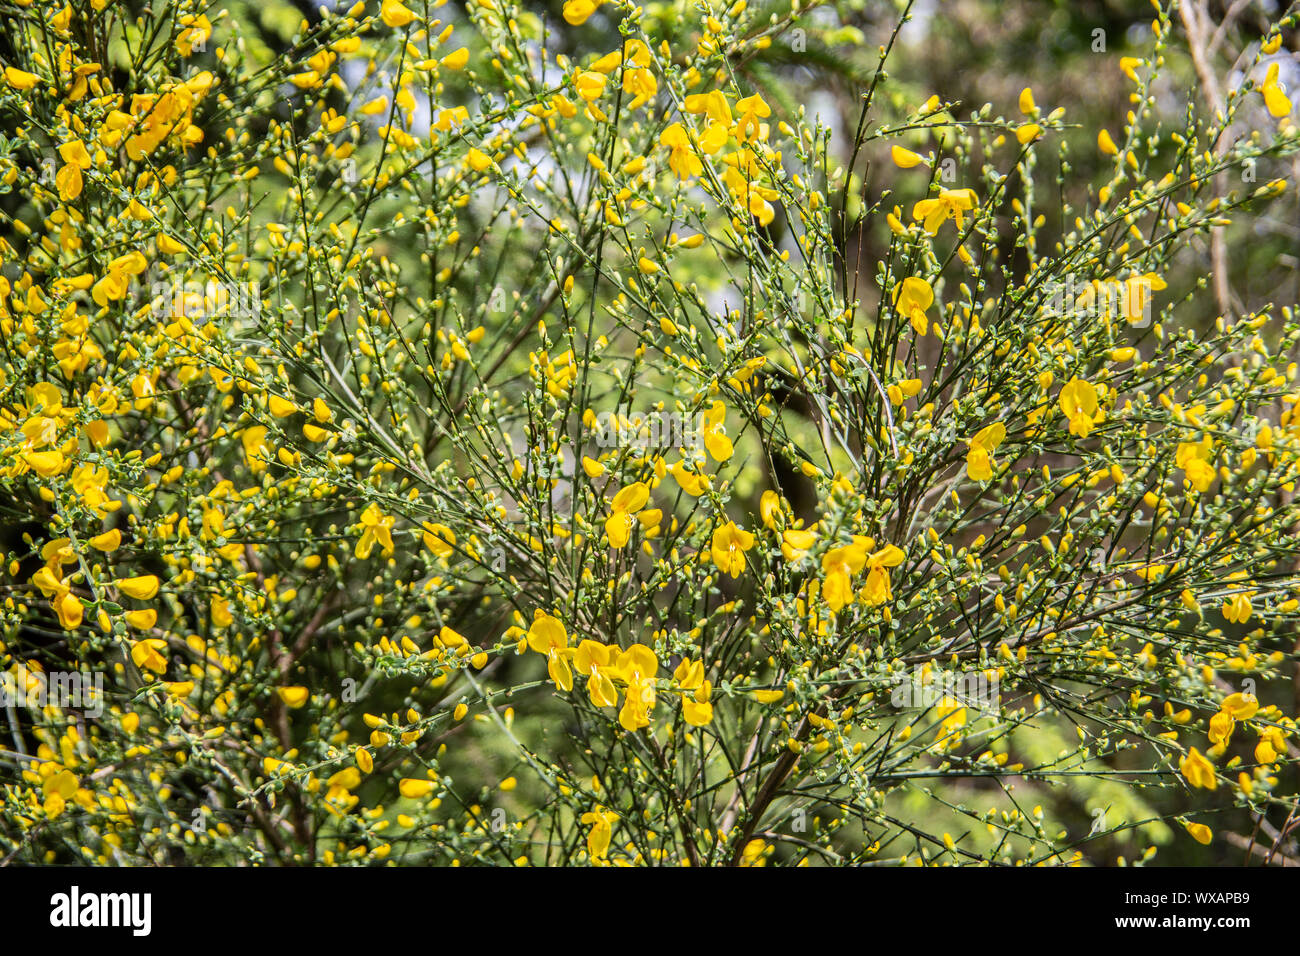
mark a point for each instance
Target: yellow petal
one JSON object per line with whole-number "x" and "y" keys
{"x": 109, "y": 541}
{"x": 293, "y": 697}
{"x": 414, "y": 789}
{"x": 141, "y": 588}
{"x": 905, "y": 158}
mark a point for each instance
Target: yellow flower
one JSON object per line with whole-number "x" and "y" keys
{"x": 69, "y": 609}
{"x": 142, "y": 620}
{"x": 147, "y": 654}
{"x": 546, "y": 632}
{"x": 638, "y": 54}
{"x": 601, "y": 822}
{"x": 115, "y": 284}
{"x": 1078, "y": 400}
{"x": 394, "y": 14}
{"x": 1136, "y": 295}
{"x": 293, "y": 697}
{"x": 900, "y": 392}
{"x": 590, "y": 85}
{"x": 952, "y": 718}
{"x": 1194, "y": 459}
{"x": 196, "y": 32}
{"x": 20, "y": 79}
{"x": 1106, "y": 144}
{"x": 107, "y": 542}
{"x": 280, "y": 407}
{"x": 414, "y": 789}
{"x": 632, "y": 498}
{"x": 59, "y": 788}
{"x": 641, "y": 83}
{"x": 608, "y": 63}
{"x": 1272, "y": 741}
{"x": 1198, "y": 771}
{"x": 905, "y": 158}
{"x": 754, "y": 853}
{"x": 696, "y": 708}
{"x": 618, "y": 529}
{"x": 1221, "y": 725}
{"x": 949, "y": 204}
{"x": 797, "y": 542}
{"x": 1028, "y": 133}
{"x": 308, "y": 79}
{"x": 365, "y": 762}
{"x": 1237, "y": 609}
{"x": 878, "y": 589}
{"x": 728, "y": 548}
{"x": 682, "y": 158}
{"x": 597, "y": 662}
{"x": 68, "y": 179}
{"x": 547, "y": 635}
{"x": 255, "y": 449}
{"x": 713, "y": 105}
{"x": 376, "y": 528}
{"x": 839, "y": 565}
{"x": 576, "y": 12}
{"x": 1240, "y": 706}
{"x": 979, "y": 456}
{"x": 752, "y": 110}
{"x": 438, "y": 538}
{"x": 44, "y": 463}
{"x": 1276, "y": 101}
{"x": 692, "y": 482}
{"x": 637, "y": 667}
{"x": 626, "y": 504}
{"x": 912, "y": 297}
{"x": 338, "y": 798}
{"x": 715, "y": 434}
{"x": 1200, "y": 832}
{"x": 58, "y": 552}
{"x": 769, "y": 509}
{"x": 219, "y": 611}
{"x": 141, "y": 588}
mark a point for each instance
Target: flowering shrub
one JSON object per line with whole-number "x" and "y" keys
{"x": 422, "y": 445}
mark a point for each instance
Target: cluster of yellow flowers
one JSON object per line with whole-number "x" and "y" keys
{"x": 309, "y": 522}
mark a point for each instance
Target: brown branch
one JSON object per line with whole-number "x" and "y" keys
{"x": 1196, "y": 43}
{"x": 771, "y": 784}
